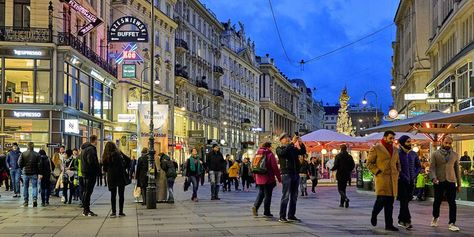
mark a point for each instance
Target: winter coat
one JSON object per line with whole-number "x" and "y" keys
{"x": 168, "y": 167}
{"x": 30, "y": 163}
{"x": 304, "y": 167}
{"x": 445, "y": 170}
{"x": 385, "y": 168}
{"x": 116, "y": 169}
{"x": 142, "y": 171}
{"x": 288, "y": 157}
{"x": 12, "y": 159}
{"x": 89, "y": 160}
{"x": 234, "y": 170}
{"x": 313, "y": 169}
{"x": 46, "y": 166}
{"x": 343, "y": 164}
{"x": 246, "y": 169}
{"x": 272, "y": 168}
{"x": 409, "y": 165}
{"x": 215, "y": 161}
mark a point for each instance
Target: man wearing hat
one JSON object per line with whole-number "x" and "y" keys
{"x": 409, "y": 168}
{"x": 288, "y": 153}
{"x": 215, "y": 164}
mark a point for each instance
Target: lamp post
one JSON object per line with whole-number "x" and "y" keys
{"x": 364, "y": 101}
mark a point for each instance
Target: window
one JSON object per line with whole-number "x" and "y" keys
{"x": 21, "y": 14}
{"x": 463, "y": 82}
{"x": 84, "y": 95}
{"x": 2, "y": 12}
{"x": 42, "y": 86}
{"x": 97, "y": 99}
{"x": 167, "y": 86}
{"x": 167, "y": 46}
{"x": 168, "y": 10}
{"x": 157, "y": 38}
{"x": 107, "y": 103}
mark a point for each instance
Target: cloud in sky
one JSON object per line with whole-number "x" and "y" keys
{"x": 313, "y": 27}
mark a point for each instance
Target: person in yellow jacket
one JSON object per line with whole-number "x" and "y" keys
{"x": 234, "y": 175}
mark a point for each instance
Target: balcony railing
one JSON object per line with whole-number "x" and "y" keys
{"x": 202, "y": 84}
{"x": 67, "y": 39}
{"x": 219, "y": 70}
{"x": 180, "y": 43}
{"x": 13, "y": 34}
{"x": 217, "y": 92}
{"x": 180, "y": 71}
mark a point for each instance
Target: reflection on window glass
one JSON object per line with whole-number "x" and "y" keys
{"x": 39, "y": 139}
{"x": 24, "y": 125}
{"x": 19, "y": 63}
{"x": 42, "y": 87}
{"x": 18, "y": 86}
{"x": 84, "y": 103}
{"x": 97, "y": 104}
{"x": 46, "y": 64}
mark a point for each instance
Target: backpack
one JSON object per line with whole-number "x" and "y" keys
{"x": 259, "y": 164}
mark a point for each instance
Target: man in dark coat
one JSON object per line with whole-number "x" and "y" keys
{"x": 90, "y": 171}
{"x": 30, "y": 163}
{"x": 343, "y": 164}
{"x": 142, "y": 173}
{"x": 215, "y": 164}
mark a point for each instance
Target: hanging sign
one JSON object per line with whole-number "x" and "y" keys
{"x": 129, "y": 54}
{"x": 137, "y": 33}
{"x": 94, "y": 21}
{"x": 129, "y": 71}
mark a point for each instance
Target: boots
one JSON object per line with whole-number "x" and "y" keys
{"x": 213, "y": 191}
{"x": 216, "y": 193}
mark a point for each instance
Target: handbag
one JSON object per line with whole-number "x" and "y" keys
{"x": 126, "y": 176}
{"x": 186, "y": 184}
{"x": 137, "y": 192}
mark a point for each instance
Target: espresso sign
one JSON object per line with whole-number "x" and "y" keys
{"x": 117, "y": 34}
{"x": 93, "y": 20}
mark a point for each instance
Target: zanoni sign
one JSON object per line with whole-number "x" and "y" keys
{"x": 117, "y": 34}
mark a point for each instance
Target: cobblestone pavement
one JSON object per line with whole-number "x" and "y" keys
{"x": 231, "y": 216}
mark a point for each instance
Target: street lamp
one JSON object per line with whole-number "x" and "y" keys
{"x": 364, "y": 102}
{"x": 393, "y": 86}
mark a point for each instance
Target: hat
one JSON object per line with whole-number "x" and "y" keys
{"x": 283, "y": 135}
{"x": 214, "y": 145}
{"x": 403, "y": 139}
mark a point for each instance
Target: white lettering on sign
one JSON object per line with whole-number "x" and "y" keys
{"x": 27, "y": 52}
{"x": 125, "y": 118}
{"x": 86, "y": 13}
{"x": 18, "y": 114}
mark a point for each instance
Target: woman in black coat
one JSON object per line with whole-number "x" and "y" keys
{"x": 116, "y": 164}
{"x": 142, "y": 173}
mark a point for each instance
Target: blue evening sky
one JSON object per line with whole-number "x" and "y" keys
{"x": 313, "y": 27}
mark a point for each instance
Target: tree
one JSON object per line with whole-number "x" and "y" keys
{"x": 344, "y": 122}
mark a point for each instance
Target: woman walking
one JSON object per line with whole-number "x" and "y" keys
{"x": 193, "y": 172}
{"x": 266, "y": 182}
{"x": 234, "y": 175}
{"x": 115, "y": 165}
{"x": 47, "y": 167}
{"x": 68, "y": 168}
{"x": 246, "y": 174}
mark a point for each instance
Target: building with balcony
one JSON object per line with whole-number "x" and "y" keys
{"x": 57, "y": 86}
{"x": 309, "y": 115}
{"x": 411, "y": 66}
{"x": 239, "y": 117}
{"x": 278, "y": 101}
{"x": 451, "y": 52}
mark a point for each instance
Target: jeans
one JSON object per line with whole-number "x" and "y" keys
{"x": 246, "y": 181}
{"x": 170, "y": 189}
{"x": 405, "y": 194}
{"x": 26, "y": 187}
{"x": 15, "y": 176}
{"x": 235, "y": 181}
{"x": 303, "y": 183}
{"x": 314, "y": 183}
{"x": 99, "y": 180}
{"x": 45, "y": 189}
{"x": 265, "y": 195}
{"x": 80, "y": 188}
{"x": 341, "y": 187}
{"x": 386, "y": 203}
{"x": 226, "y": 181}
{"x": 113, "y": 198}
{"x": 194, "y": 182}
{"x": 215, "y": 179}
{"x": 290, "y": 194}
{"x": 67, "y": 184}
{"x": 439, "y": 191}
{"x": 89, "y": 183}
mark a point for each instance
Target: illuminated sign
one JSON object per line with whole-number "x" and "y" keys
{"x": 444, "y": 95}
{"x": 439, "y": 101}
{"x": 71, "y": 126}
{"x": 257, "y": 129}
{"x": 27, "y": 114}
{"x": 134, "y": 104}
{"x": 28, "y": 52}
{"x": 129, "y": 54}
{"x": 393, "y": 113}
{"x": 129, "y": 71}
{"x": 125, "y": 118}
{"x": 137, "y": 33}
{"x": 421, "y": 96}
{"x": 94, "y": 21}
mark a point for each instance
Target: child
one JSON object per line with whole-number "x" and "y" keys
{"x": 420, "y": 185}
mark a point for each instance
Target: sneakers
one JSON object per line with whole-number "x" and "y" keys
{"x": 89, "y": 213}
{"x": 453, "y": 227}
{"x": 35, "y": 204}
{"x": 434, "y": 222}
{"x": 25, "y": 204}
{"x": 254, "y": 211}
{"x": 268, "y": 215}
{"x": 391, "y": 228}
{"x": 113, "y": 215}
{"x": 293, "y": 219}
{"x": 283, "y": 220}
{"x": 121, "y": 214}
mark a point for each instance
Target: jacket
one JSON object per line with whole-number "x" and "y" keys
{"x": 89, "y": 160}
{"x": 215, "y": 161}
{"x": 409, "y": 165}
{"x": 443, "y": 170}
{"x": 272, "y": 169}
{"x": 304, "y": 167}
{"x": 385, "y": 168}
{"x": 30, "y": 163}
{"x": 12, "y": 159}
{"x": 313, "y": 169}
{"x": 78, "y": 165}
{"x": 197, "y": 172}
{"x": 168, "y": 167}
{"x": 142, "y": 171}
{"x": 46, "y": 166}
{"x": 116, "y": 169}
{"x": 234, "y": 170}
{"x": 246, "y": 169}
{"x": 288, "y": 158}
{"x": 3, "y": 164}
{"x": 343, "y": 164}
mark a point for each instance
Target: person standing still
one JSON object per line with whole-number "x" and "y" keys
{"x": 446, "y": 177}
{"x": 288, "y": 153}
{"x": 15, "y": 171}
{"x": 384, "y": 163}
{"x": 142, "y": 174}
{"x": 169, "y": 168}
{"x": 410, "y": 166}
{"x": 90, "y": 171}
{"x": 304, "y": 173}
{"x": 47, "y": 167}
{"x": 246, "y": 174}
{"x": 314, "y": 173}
{"x": 30, "y": 163}
{"x": 465, "y": 162}
{"x": 216, "y": 164}
{"x": 343, "y": 165}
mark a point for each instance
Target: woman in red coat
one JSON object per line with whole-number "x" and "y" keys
{"x": 266, "y": 182}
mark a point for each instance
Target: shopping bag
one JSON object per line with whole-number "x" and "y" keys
{"x": 137, "y": 192}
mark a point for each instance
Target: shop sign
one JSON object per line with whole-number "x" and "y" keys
{"x": 419, "y": 96}
{"x": 196, "y": 133}
{"x": 94, "y": 21}
{"x": 129, "y": 71}
{"x": 53, "y": 145}
{"x": 21, "y": 52}
{"x": 134, "y": 104}
{"x": 160, "y": 121}
{"x": 257, "y": 129}
{"x": 117, "y": 34}
{"x": 129, "y": 54}
{"x": 25, "y": 114}
{"x": 439, "y": 101}
{"x": 466, "y": 104}
{"x": 126, "y": 118}
{"x": 71, "y": 126}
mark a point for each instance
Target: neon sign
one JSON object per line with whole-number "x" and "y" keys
{"x": 129, "y": 54}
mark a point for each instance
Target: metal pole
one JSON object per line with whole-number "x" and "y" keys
{"x": 151, "y": 188}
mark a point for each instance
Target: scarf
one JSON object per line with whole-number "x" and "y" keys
{"x": 387, "y": 146}
{"x": 445, "y": 153}
{"x": 192, "y": 165}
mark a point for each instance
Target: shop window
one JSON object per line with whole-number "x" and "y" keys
{"x": 97, "y": 100}
{"x": 19, "y": 86}
{"x": 84, "y": 98}
{"x": 43, "y": 64}
{"x": 19, "y": 63}
{"x": 43, "y": 87}
{"x": 21, "y": 14}
{"x": 107, "y": 103}
{"x": 26, "y": 125}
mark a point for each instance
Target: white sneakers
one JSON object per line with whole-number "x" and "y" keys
{"x": 451, "y": 227}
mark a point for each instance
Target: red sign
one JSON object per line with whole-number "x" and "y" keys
{"x": 129, "y": 55}
{"x": 179, "y": 146}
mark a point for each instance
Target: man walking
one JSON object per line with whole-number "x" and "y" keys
{"x": 384, "y": 163}
{"x": 288, "y": 153}
{"x": 30, "y": 163}
{"x": 410, "y": 167}
{"x": 444, "y": 172}
{"x": 215, "y": 164}
{"x": 343, "y": 164}
{"x": 15, "y": 171}
{"x": 90, "y": 171}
